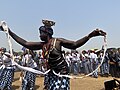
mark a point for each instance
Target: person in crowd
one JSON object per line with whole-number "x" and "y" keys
{"x": 118, "y": 62}
{"x": 28, "y": 81}
{"x": 113, "y": 58}
{"x": 52, "y": 51}
{"x": 86, "y": 62}
{"x": 6, "y": 70}
{"x": 104, "y": 69}
{"x": 94, "y": 62}
{"x": 68, "y": 58}
{"x": 75, "y": 59}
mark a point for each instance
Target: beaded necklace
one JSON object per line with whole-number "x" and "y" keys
{"x": 46, "y": 49}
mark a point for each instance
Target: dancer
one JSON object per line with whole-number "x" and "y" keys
{"x": 52, "y": 51}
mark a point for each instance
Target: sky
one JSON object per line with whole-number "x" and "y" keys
{"x": 74, "y": 20}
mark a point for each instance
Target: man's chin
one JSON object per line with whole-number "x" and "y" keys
{"x": 43, "y": 39}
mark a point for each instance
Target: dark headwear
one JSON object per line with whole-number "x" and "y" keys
{"x": 47, "y": 26}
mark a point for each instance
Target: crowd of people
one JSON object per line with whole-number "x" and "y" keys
{"x": 87, "y": 61}
{"x": 79, "y": 63}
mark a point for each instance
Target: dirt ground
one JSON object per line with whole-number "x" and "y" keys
{"x": 87, "y": 83}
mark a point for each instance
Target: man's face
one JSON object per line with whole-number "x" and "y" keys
{"x": 43, "y": 35}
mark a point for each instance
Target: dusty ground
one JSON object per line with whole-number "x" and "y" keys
{"x": 75, "y": 84}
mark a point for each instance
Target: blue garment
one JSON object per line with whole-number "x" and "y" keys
{"x": 28, "y": 82}
{"x": 6, "y": 78}
{"x": 57, "y": 83}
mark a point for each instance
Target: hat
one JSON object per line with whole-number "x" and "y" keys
{"x": 47, "y": 26}
{"x": 48, "y": 23}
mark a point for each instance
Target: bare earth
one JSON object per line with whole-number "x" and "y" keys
{"x": 87, "y": 83}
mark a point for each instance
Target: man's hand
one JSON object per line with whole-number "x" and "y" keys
{"x": 97, "y": 32}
